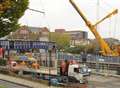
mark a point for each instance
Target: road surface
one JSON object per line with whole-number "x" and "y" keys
{"x": 103, "y": 82}
{"x": 94, "y": 82}
{"x": 7, "y": 84}
{"x": 24, "y": 82}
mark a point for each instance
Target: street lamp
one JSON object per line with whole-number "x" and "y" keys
{"x": 50, "y": 54}
{"x": 36, "y": 10}
{"x": 51, "y": 50}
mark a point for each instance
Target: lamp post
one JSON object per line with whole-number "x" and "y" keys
{"x": 50, "y": 54}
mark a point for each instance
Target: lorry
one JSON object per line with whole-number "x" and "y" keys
{"x": 73, "y": 73}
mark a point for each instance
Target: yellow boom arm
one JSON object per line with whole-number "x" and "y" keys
{"x": 107, "y": 16}
{"x": 105, "y": 49}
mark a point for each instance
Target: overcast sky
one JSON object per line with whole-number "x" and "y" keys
{"x": 61, "y": 14}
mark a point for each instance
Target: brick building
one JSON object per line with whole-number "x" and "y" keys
{"x": 30, "y": 33}
{"x": 35, "y": 34}
{"x": 60, "y": 30}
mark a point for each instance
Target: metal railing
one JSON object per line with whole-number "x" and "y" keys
{"x": 90, "y": 58}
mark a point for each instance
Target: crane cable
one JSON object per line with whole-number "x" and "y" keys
{"x": 110, "y": 27}
{"x": 107, "y": 4}
{"x": 115, "y": 26}
{"x": 97, "y": 12}
{"x": 45, "y": 15}
{"x": 37, "y": 11}
{"x": 44, "y": 12}
{"x": 115, "y": 21}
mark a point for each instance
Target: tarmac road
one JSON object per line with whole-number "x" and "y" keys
{"x": 7, "y": 84}
{"x": 103, "y": 82}
{"x": 29, "y": 83}
{"x": 95, "y": 81}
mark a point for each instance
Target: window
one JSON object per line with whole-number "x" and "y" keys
{"x": 76, "y": 70}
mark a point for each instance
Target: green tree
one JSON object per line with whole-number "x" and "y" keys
{"x": 75, "y": 50}
{"x": 62, "y": 40}
{"x": 81, "y": 48}
{"x": 10, "y": 12}
{"x": 90, "y": 48}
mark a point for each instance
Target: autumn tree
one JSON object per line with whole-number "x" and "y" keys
{"x": 10, "y": 12}
{"x": 62, "y": 40}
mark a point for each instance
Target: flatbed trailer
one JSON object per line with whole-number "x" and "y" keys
{"x": 51, "y": 74}
{"x": 42, "y": 70}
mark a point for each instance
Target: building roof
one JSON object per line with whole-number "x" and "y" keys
{"x": 34, "y": 29}
{"x": 38, "y": 29}
{"x": 60, "y": 30}
{"x": 63, "y": 30}
{"x": 44, "y": 29}
{"x": 75, "y": 31}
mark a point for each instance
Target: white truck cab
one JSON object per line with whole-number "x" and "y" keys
{"x": 79, "y": 72}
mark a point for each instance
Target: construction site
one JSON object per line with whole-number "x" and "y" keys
{"x": 34, "y": 57}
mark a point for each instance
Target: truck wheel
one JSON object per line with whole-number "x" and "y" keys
{"x": 65, "y": 79}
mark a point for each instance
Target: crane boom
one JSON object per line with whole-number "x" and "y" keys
{"x": 107, "y": 16}
{"x": 105, "y": 49}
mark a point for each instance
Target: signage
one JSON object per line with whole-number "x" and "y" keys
{"x": 19, "y": 44}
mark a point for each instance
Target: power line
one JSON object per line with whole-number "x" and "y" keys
{"x": 109, "y": 5}
{"x": 115, "y": 26}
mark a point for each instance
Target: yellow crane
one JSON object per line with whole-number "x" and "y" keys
{"x": 105, "y": 49}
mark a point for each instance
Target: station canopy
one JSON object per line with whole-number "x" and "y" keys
{"x": 25, "y": 45}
